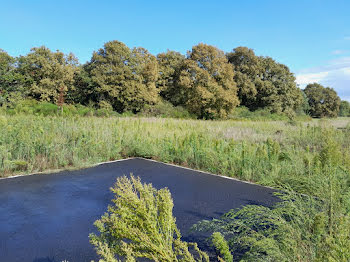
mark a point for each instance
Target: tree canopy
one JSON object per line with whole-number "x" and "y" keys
{"x": 169, "y": 65}
{"x": 344, "y": 108}
{"x": 123, "y": 77}
{"x": 264, "y": 83}
{"x": 47, "y": 73}
{"x": 11, "y": 82}
{"x": 206, "y": 83}
{"x": 323, "y": 101}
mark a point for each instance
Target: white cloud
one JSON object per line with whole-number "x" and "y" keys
{"x": 304, "y": 79}
{"x": 347, "y": 38}
{"x": 338, "y": 52}
{"x": 335, "y": 74}
{"x": 346, "y": 71}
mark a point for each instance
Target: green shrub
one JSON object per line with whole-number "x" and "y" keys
{"x": 242, "y": 112}
{"x": 221, "y": 246}
{"x": 166, "y": 109}
{"x": 33, "y": 107}
{"x": 141, "y": 221}
{"x": 287, "y": 232}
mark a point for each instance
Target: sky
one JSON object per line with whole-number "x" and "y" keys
{"x": 312, "y": 37}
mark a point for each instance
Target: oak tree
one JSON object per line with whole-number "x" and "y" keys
{"x": 323, "y": 101}
{"x": 123, "y": 77}
{"x": 264, "y": 83}
{"x": 205, "y": 85}
{"x": 48, "y": 73}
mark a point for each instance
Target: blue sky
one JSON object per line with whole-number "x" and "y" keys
{"x": 312, "y": 37}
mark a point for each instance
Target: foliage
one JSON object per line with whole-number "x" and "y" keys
{"x": 344, "y": 108}
{"x": 11, "y": 82}
{"x": 323, "y": 101}
{"x": 307, "y": 157}
{"x": 221, "y": 246}
{"x": 124, "y": 78}
{"x": 205, "y": 84}
{"x": 264, "y": 83}
{"x": 297, "y": 229}
{"x": 47, "y": 72}
{"x": 166, "y": 109}
{"x": 170, "y": 64}
{"x": 300, "y": 227}
{"x": 258, "y": 233}
{"x": 141, "y": 220}
{"x": 83, "y": 92}
{"x": 243, "y": 113}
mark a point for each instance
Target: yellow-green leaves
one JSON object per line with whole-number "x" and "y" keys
{"x": 140, "y": 224}
{"x": 47, "y": 72}
{"x": 205, "y": 85}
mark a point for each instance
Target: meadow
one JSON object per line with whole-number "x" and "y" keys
{"x": 309, "y": 159}
{"x": 271, "y": 153}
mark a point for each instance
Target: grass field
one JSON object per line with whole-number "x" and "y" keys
{"x": 308, "y": 157}
{"x": 269, "y": 153}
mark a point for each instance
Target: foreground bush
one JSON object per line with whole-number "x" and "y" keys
{"x": 300, "y": 227}
{"x": 140, "y": 224}
{"x": 297, "y": 229}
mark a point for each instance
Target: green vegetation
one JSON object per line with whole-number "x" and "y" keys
{"x": 312, "y": 227}
{"x": 264, "y": 84}
{"x": 311, "y": 158}
{"x": 344, "y": 108}
{"x": 140, "y": 224}
{"x": 222, "y": 247}
{"x": 323, "y": 101}
{"x": 124, "y": 78}
{"x": 56, "y": 113}
{"x": 271, "y": 153}
{"x": 206, "y": 83}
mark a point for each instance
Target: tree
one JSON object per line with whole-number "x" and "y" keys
{"x": 278, "y": 90}
{"x": 124, "y": 78}
{"x": 47, "y": 73}
{"x": 141, "y": 224}
{"x": 205, "y": 84}
{"x": 83, "y": 92}
{"x": 11, "y": 82}
{"x": 247, "y": 70}
{"x": 344, "y": 109}
{"x": 169, "y": 64}
{"x": 264, "y": 83}
{"x": 323, "y": 101}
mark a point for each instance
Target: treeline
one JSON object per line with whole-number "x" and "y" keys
{"x": 206, "y": 82}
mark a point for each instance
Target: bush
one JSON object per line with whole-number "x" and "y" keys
{"x": 141, "y": 224}
{"x": 221, "y": 246}
{"x": 33, "y": 107}
{"x": 167, "y": 110}
{"x": 242, "y": 113}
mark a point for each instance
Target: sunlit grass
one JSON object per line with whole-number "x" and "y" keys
{"x": 270, "y": 153}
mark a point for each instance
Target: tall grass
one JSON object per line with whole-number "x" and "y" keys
{"x": 270, "y": 153}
